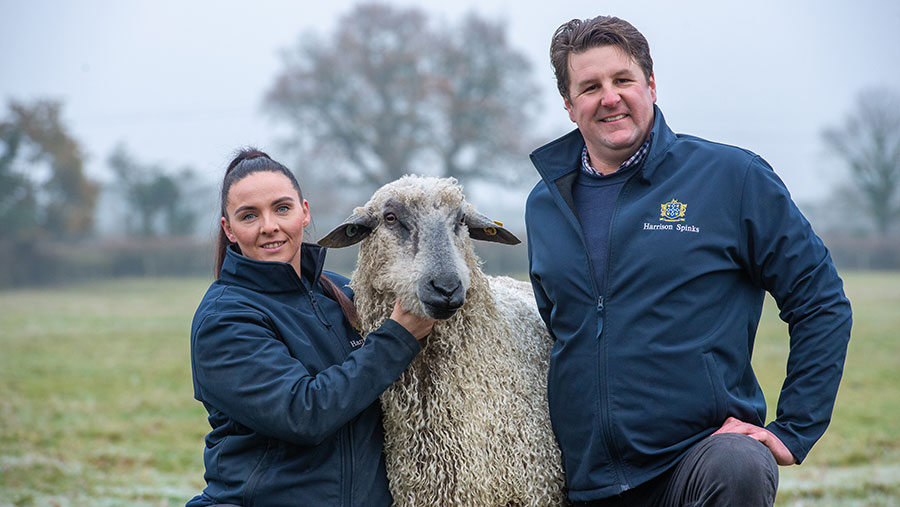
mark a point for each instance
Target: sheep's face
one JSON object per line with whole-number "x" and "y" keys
{"x": 417, "y": 243}
{"x": 429, "y": 246}
{"x": 422, "y": 239}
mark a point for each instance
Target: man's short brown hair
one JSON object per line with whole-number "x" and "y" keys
{"x": 578, "y": 36}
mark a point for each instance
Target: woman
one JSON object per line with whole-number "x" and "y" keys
{"x": 290, "y": 386}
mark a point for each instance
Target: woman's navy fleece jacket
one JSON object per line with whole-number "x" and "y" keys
{"x": 290, "y": 388}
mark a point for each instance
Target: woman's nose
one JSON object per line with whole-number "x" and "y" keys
{"x": 269, "y": 223}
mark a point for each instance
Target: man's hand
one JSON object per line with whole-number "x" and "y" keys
{"x": 782, "y": 455}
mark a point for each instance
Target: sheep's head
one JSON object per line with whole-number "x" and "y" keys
{"x": 419, "y": 229}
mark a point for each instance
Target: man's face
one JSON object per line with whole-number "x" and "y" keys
{"x": 611, "y": 102}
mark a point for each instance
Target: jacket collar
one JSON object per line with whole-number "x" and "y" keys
{"x": 563, "y": 156}
{"x": 267, "y": 276}
{"x": 662, "y": 138}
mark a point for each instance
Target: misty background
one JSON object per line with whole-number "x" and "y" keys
{"x": 155, "y": 97}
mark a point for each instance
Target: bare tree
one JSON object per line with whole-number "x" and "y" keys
{"x": 19, "y": 211}
{"x": 42, "y": 171}
{"x": 158, "y": 204}
{"x": 387, "y": 93}
{"x": 868, "y": 141}
{"x": 484, "y": 98}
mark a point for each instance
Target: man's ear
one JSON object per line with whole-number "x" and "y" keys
{"x": 570, "y": 109}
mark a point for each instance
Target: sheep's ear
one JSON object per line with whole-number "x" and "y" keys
{"x": 354, "y": 229}
{"x": 485, "y": 229}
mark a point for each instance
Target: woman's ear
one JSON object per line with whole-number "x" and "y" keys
{"x": 306, "y": 212}
{"x": 228, "y": 232}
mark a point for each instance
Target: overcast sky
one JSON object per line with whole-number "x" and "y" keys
{"x": 181, "y": 82}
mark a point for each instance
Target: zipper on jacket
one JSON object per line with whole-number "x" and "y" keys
{"x": 352, "y": 463}
{"x": 346, "y": 477}
{"x": 607, "y": 429}
{"x": 315, "y": 304}
{"x": 333, "y": 330}
{"x": 599, "y": 319}
{"x": 253, "y": 479}
{"x": 345, "y": 486}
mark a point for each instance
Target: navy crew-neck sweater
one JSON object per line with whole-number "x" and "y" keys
{"x": 595, "y": 200}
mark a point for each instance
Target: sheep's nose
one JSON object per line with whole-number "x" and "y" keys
{"x": 446, "y": 288}
{"x": 441, "y": 296}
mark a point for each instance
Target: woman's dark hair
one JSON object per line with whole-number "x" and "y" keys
{"x": 249, "y": 161}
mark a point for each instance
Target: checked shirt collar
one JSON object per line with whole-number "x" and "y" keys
{"x": 633, "y": 161}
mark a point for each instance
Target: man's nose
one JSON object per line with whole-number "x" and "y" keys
{"x": 609, "y": 97}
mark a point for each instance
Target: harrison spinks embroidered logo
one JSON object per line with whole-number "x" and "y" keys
{"x": 672, "y": 211}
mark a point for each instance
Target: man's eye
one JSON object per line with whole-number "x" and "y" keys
{"x": 284, "y": 208}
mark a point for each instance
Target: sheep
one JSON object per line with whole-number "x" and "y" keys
{"x": 468, "y": 422}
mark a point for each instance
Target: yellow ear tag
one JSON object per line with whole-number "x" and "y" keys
{"x": 490, "y": 231}
{"x": 498, "y": 223}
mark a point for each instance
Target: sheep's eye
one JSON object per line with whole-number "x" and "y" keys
{"x": 462, "y": 220}
{"x": 390, "y": 218}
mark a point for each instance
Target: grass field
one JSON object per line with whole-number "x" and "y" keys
{"x": 96, "y": 406}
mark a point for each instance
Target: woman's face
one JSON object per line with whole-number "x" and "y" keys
{"x": 265, "y": 217}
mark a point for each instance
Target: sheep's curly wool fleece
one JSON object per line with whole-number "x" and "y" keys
{"x": 467, "y": 423}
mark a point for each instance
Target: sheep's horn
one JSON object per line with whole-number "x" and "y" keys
{"x": 485, "y": 229}
{"x": 354, "y": 229}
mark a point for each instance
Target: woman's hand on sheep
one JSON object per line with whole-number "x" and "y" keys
{"x": 417, "y": 326}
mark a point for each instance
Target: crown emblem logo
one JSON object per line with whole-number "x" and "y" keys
{"x": 672, "y": 211}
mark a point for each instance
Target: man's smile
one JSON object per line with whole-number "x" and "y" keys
{"x": 617, "y": 117}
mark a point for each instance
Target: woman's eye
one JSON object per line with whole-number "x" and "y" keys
{"x": 248, "y": 217}
{"x": 390, "y": 218}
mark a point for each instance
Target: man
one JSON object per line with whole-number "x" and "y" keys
{"x": 650, "y": 253}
